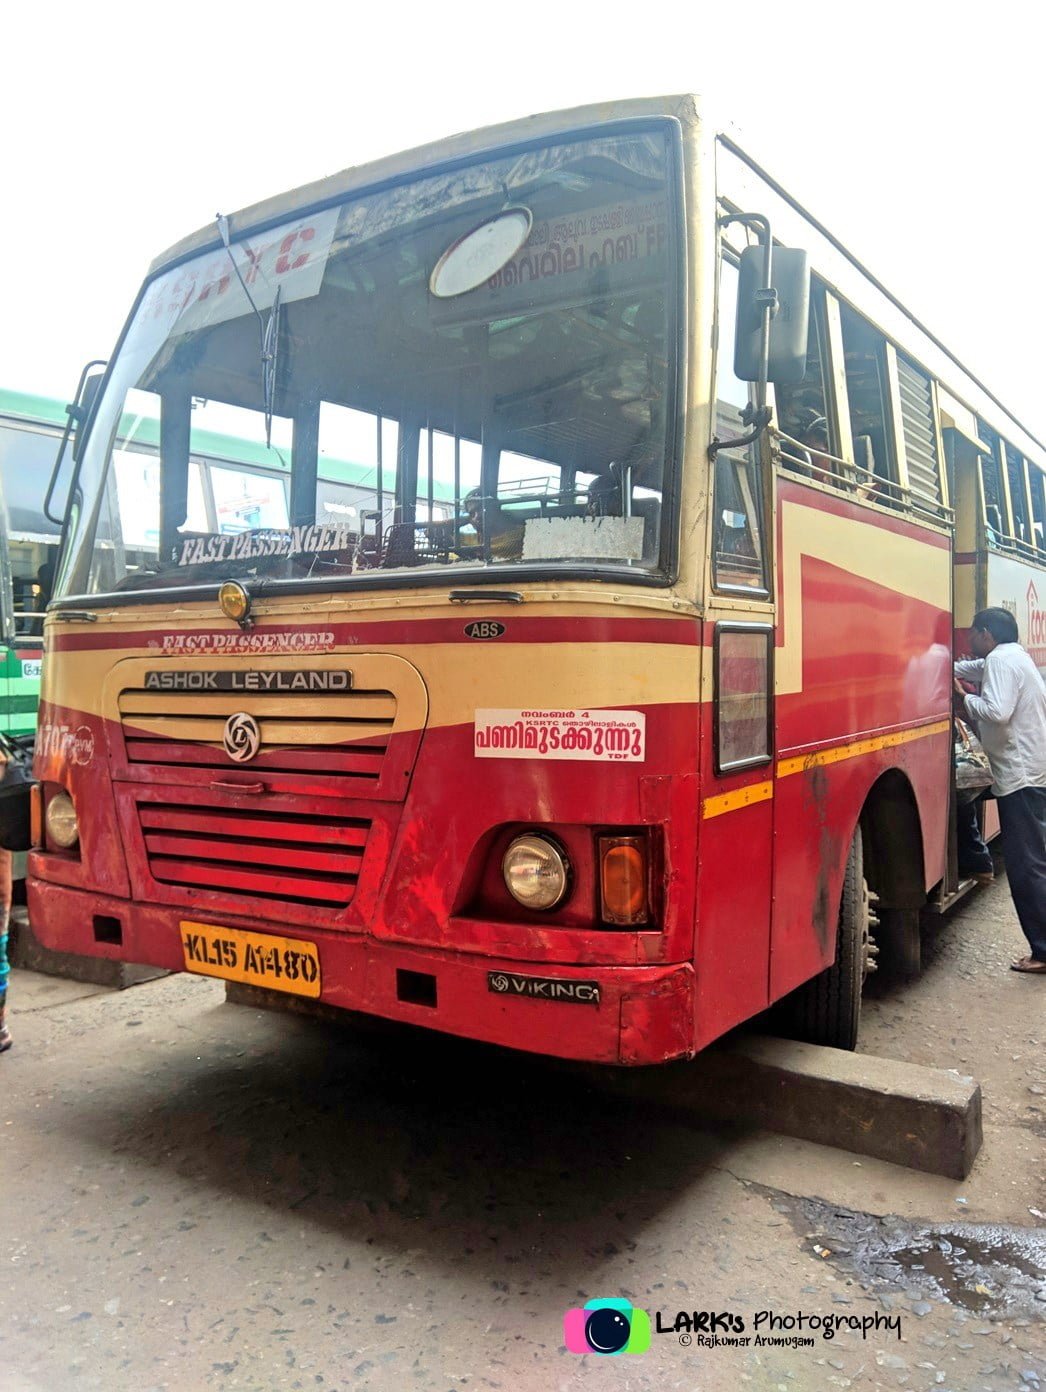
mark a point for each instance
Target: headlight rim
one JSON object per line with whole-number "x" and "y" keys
{"x": 549, "y": 844}
{"x": 54, "y": 840}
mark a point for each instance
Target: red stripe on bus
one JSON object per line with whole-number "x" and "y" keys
{"x": 789, "y": 491}
{"x": 682, "y": 632}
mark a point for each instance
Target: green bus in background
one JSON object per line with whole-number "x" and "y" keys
{"x": 239, "y": 480}
{"x": 21, "y": 649}
{"x": 31, "y": 429}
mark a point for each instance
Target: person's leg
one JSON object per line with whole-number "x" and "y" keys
{"x": 974, "y": 856}
{"x": 1022, "y": 820}
{"x": 5, "y": 914}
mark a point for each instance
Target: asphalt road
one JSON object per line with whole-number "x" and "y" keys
{"x": 199, "y": 1195}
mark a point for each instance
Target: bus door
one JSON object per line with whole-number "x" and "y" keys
{"x": 735, "y": 835}
{"x": 735, "y": 841}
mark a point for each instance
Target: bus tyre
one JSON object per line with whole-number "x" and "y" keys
{"x": 827, "y": 1010}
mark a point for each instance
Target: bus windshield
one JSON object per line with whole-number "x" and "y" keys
{"x": 472, "y": 369}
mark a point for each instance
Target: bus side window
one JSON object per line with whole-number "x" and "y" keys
{"x": 1037, "y": 484}
{"x": 997, "y": 532}
{"x": 1018, "y": 500}
{"x": 731, "y": 392}
{"x": 743, "y": 684}
{"x": 802, "y": 408}
{"x": 866, "y": 390}
{"x": 738, "y": 559}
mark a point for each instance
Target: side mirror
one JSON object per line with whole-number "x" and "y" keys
{"x": 81, "y": 411}
{"x": 77, "y": 413}
{"x": 789, "y": 327}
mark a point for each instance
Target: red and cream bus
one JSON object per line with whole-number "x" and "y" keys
{"x": 593, "y": 720}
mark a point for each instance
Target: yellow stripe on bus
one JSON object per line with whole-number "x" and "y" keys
{"x": 851, "y": 751}
{"x": 741, "y": 797}
{"x": 761, "y": 792}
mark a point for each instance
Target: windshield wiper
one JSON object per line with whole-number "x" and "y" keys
{"x": 270, "y": 332}
{"x": 269, "y": 353}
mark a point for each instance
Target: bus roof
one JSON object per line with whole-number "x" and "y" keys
{"x": 437, "y": 152}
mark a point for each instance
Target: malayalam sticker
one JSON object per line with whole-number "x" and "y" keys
{"x": 602, "y": 735}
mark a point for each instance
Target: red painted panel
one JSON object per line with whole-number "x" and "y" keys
{"x": 887, "y": 663}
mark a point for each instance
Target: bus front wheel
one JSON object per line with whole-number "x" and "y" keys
{"x": 827, "y": 1010}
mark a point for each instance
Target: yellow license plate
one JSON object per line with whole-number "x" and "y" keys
{"x": 257, "y": 959}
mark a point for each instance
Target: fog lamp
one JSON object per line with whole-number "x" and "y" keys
{"x": 235, "y": 603}
{"x": 535, "y": 872}
{"x": 63, "y": 830}
{"x": 623, "y": 879}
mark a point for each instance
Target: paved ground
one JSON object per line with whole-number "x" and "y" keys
{"x": 203, "y": 1196}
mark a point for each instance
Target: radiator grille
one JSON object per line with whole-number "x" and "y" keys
{"x": 305, "y": 739}
{"x": 286, "y": 856}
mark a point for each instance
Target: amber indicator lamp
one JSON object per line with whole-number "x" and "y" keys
{"x": 36, "y": 815}
{"x": 623, "y": 877}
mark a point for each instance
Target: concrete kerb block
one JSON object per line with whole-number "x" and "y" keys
{"x": 923, "y": 1118}
{"x": 26, "y": 951}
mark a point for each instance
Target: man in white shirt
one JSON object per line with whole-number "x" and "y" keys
{"x": 1011, "y": 715}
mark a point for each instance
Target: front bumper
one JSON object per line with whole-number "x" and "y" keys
{"x": 644, "y": 1015}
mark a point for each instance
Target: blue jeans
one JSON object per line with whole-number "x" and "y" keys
{"x": 974, "y": 856}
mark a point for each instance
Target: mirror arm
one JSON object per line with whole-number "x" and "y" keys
{"x": 74, "y": 417}
{"x": 756, "y": 414}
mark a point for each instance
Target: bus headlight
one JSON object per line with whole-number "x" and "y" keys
{"x": 60, "y": 822}
{"x": 535, "y": 872}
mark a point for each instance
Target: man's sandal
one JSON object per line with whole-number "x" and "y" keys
{"x": 1032, "y": 965}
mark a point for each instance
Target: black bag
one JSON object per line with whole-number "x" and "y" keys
{"x": 17, "y": 780}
